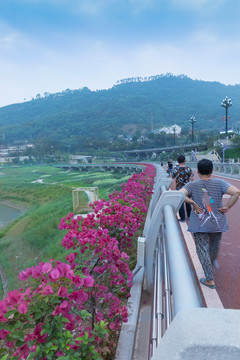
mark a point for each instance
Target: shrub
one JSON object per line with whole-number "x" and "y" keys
{"x": 75, "y": 309}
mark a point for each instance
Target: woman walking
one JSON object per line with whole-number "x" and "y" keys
{"x": 208, "y": 220}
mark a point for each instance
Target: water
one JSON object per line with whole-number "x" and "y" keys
{"x": 8, "y": 214}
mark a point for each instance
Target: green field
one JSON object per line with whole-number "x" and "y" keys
{"x": 45, "y": 196}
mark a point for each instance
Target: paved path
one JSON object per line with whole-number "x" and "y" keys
{"x": 227, "y": 278}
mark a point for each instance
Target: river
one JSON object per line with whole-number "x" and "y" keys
{"x": 7, "y": 214}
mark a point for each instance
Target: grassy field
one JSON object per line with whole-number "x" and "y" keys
{"x": 45, "y": 196}
{"x": 233, "y": 153}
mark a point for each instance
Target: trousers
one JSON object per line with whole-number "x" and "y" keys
{"x": 182, "y": 211}
{"x": 207, "y": 247}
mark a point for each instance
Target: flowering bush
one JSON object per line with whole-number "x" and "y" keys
{"x": 75, "y": 309}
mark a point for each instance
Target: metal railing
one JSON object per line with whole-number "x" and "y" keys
{"x": 222, "y": 167}
{"x": 165, "y": 263}
{"x": 170, "y": 267}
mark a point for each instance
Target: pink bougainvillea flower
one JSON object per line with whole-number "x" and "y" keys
{"x": 14, "y": 297}
{"x": 3, "y": 307}
{"x": 24, "y": 275}
{"x": 88, "y": 281}
{"x": 65, "y": 305}
{"x": 124, "y": 255}
{"x": 78, "y": 281}
{"x": 57, "y": 311}
{"x": 22, "y": 308}
{"x": 62, "y": 291}
{"x": 78, "y": 296}
{"x": 23, "y": 351}
{"x": 54, "y": 275}
{"x": 47, "y": 267}
{"x": 9, "y": 344}
{"x": 47, "y": 290}
{"x": 37, "y": 332}
{"x": 37, "y": 272}
{"x": 4, "y": 333}
{"x": 71, "y": 257}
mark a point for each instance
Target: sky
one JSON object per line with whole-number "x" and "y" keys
{"x": 54, "y": 45}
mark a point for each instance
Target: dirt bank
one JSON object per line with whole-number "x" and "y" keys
{"x": 4, "y": 281}
{"x": 10, "y": 203}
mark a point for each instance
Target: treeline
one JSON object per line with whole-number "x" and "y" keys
{"x": 84, "y": 118}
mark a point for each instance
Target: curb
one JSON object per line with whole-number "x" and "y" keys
{"x": 210, "y": 297}
{"x": 128, "y": 331}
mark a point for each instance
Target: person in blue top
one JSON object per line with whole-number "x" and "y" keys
{"x": 208, "y": 220}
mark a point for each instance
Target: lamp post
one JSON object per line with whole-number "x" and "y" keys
{"x": 174, "y": 134}
{"x": 226, "y": 103}
{"x": 192, "y": 121}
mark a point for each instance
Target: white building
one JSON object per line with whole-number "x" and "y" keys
{"x": 169, "y": 130}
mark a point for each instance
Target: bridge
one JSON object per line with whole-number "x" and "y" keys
{"x": 128, "y": 167}
{"x": 193, "y": 146}
{"x": 172, "y": 316}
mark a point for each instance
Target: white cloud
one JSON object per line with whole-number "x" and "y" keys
{"x": 8, "y": 36}
{"x": 196, "y": 4}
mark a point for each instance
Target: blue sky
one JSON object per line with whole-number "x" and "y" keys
{"x": 52, "y": 45}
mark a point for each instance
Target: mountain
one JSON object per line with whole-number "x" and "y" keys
{"x": 84, "y": 116}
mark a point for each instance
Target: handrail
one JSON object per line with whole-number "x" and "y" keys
{"x": 165, "y": 262}
{"x": 185, "y": 297}
{"x": 222, "y": 167}
{"x": 165, "y": 245}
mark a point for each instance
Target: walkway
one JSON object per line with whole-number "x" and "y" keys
{"x": 228, "y": 276}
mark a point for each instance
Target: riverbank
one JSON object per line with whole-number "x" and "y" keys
{"x": 4, "y": 281}
{"x": 12, "y": 204}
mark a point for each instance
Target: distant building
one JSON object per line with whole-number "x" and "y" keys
{"x": 77, "y": 159}
{"x": 230, "y": 132}
{"x": 169, "y": 130}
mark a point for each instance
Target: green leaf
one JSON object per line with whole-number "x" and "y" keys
{"x": 54, "y": 347}
{"x": 37, "y": 315}
{"x": 17, "y": 325}
{"x": 4, "y": 357}
{"x": 85, "y": 315}
{"x": 31, "y": 356}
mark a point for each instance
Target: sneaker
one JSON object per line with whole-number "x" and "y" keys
{"x": 180, "y": 220}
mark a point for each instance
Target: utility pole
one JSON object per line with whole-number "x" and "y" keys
{"x": 174, "y": 134}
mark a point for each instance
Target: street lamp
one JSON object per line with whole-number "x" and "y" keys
{"x": 226, "y": 103}
{"x": 192, "y": 121}
{"x": 174, "y": 134}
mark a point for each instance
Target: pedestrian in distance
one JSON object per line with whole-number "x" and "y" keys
{"x": 170, "y": 167}
{"x": 183, "y": 174}
{"x": 208, "y": 219}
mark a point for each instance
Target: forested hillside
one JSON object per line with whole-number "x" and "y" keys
{"x": 83, "y": 116}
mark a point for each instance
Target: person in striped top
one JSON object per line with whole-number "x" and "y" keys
{"x": 208, "y": 219}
